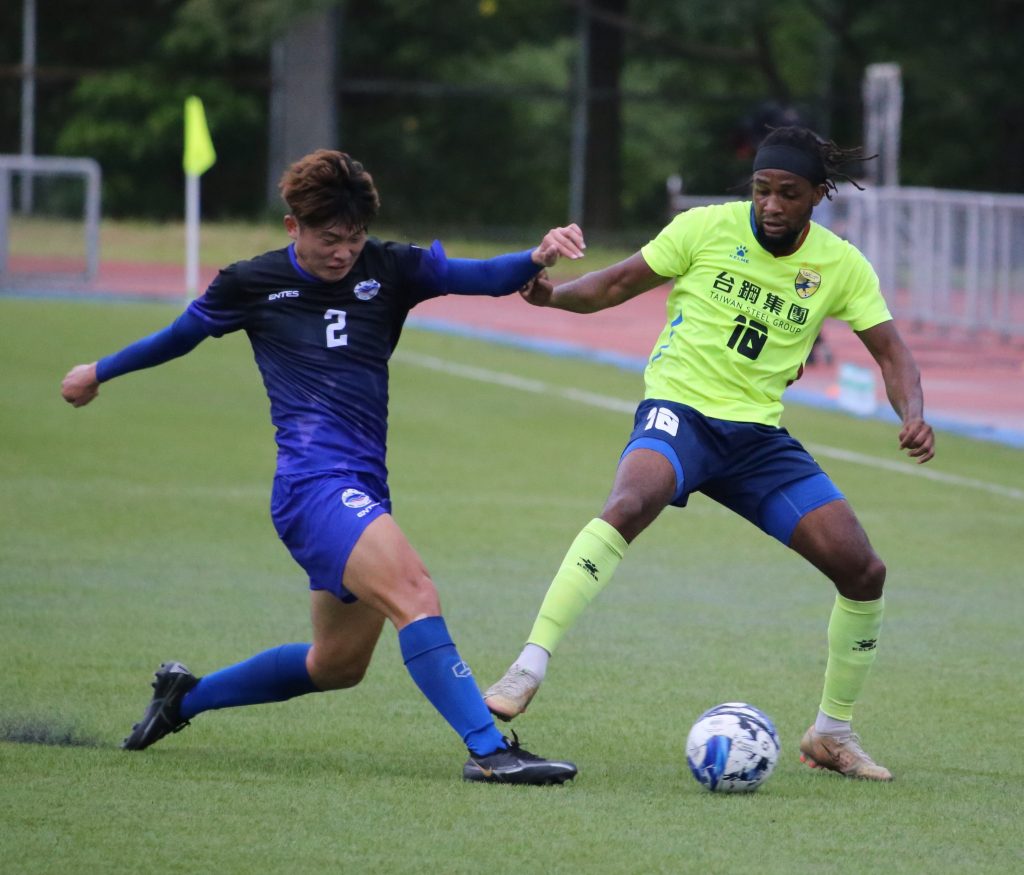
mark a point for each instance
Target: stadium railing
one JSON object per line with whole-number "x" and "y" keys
{"x": 949, "y": 259}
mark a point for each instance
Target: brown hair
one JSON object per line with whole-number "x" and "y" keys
{"x": 327, "y": 188}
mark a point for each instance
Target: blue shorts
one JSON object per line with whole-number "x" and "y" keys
{"x": 320, "y": 517}
{"x": 758, "y": 471}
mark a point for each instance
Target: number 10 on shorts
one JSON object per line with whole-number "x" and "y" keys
{"x": 662, "y": 419}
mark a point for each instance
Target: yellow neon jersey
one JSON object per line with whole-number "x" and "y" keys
{"x": 741, "y": 322}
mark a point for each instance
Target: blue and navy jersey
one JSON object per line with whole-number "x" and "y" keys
{"x": 323, "y": 347}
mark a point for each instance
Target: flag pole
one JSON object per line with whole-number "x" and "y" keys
{"x": 197, "y": 157}
{"x": 191, "y": 236}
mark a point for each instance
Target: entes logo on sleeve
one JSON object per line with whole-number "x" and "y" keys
{"x": 288, "y": 293}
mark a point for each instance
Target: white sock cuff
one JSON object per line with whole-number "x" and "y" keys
{"x": 534, "y": 659}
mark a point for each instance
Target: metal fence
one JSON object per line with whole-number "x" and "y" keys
{"x": 949, "y": 259}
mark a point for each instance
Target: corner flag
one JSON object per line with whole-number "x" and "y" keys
{"x": 197, "y": 158}
{"x": 199, "y": 155}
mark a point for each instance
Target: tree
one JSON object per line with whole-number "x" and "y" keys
{"x": 605, "y": 47}
{"x": 464, "y": 117}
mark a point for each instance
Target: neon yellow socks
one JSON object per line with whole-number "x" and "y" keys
{"x": 587, "y": 567}
{"x": 852, "y": 639}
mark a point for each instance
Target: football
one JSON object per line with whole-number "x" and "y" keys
{"x": 732, "y": 748}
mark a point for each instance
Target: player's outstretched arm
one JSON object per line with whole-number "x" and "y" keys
{"x": 82, "y": 383}
{"x": 503, "y": 274}
{"x": 903, "y": 387}
{"x": 597, "y": 290}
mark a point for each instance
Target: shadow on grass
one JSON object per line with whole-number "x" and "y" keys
{"x": 37, "y": 730}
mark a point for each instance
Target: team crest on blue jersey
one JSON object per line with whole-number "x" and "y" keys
{"x": 354, "y": 498}
{"x": 366, "y": 290}
{"x": 807, "y": 282}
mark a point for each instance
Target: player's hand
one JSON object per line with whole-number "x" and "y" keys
{"x": 80, "y": 385}
{"x": 538, "y": 290}
{"x": 564, "y": 242}
{"x": 918, "y": 439}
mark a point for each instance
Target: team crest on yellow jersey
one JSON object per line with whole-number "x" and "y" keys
{"x": 807, "y": 282}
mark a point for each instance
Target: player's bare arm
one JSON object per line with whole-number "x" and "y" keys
{"x": 80, "y": 385}
{"x": 599, "y": 289}
{"x": 903, "y": 388}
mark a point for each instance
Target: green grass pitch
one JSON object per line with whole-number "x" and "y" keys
{"x": 137, "y": 530}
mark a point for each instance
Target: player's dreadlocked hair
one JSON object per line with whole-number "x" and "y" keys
{"x": 832, "y": 158}
{"x": 328, "y": 188}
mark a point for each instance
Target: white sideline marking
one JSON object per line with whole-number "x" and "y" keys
{"x": 539, "y": 387}
{"x": 916, "y": 471}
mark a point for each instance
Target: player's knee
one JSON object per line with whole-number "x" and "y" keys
{"x": 336, "y": 674}
{"x": 629, "y": 512}
{"x": 415, "y": 596}
{"x": 866, "y": 583}
{"x": 343, "y": 679}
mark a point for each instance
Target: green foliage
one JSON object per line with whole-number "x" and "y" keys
{"x": 213, "y": 33}
{"x": 135, "y": 530}
{"x": 132, "y": 123}
{"x": 445, "y": 153}
{"x": 964, "y": 111}
{"x": 462, "y": 159}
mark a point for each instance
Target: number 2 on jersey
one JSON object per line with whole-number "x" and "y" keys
{"x": 335, "y": 335}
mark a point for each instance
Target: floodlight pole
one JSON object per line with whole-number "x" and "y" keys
{"x": 882, "y": 90}
{"x": 28, "y": 98}
{"x": 580, "y": 116}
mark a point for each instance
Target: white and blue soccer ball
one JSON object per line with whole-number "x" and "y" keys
{"x": 732, "y": 748}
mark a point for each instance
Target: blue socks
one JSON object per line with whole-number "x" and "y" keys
{"x": 271, "y": 676}
{"x": 447, "y": 682}
{"x": 430, "y": 656}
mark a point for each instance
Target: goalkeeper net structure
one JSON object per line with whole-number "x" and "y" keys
{"x": 55, "y": 236}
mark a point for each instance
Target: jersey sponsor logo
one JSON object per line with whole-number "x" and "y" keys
{"x": 355, "y": 499}
{"x": 740, "y": 254}
{"x": 807, "y": 282}
{"x": 366, "y": 290}
{"x": 287, "y": 293}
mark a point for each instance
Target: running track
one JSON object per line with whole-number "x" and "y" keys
{"x": 974, "y": 384}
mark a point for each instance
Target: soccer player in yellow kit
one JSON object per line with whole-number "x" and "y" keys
{"x": 752, "y": 284}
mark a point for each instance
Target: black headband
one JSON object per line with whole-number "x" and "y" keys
{"x": 792, "y": 159}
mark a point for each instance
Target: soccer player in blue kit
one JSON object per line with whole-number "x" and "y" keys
{"x": 323, "y": 316}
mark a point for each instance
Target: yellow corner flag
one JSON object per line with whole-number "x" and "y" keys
{"x": 199, "y": 155}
